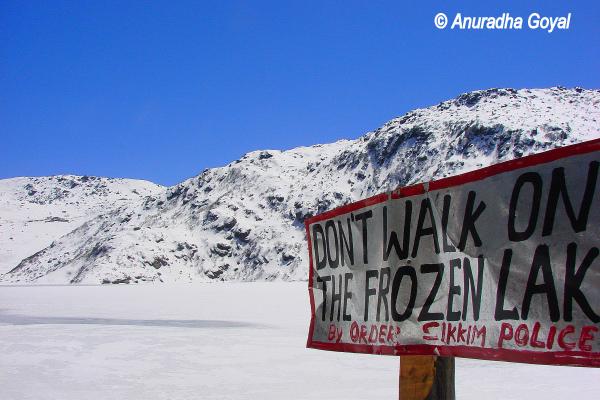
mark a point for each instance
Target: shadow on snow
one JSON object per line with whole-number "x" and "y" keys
{"x": 17, "y": 319}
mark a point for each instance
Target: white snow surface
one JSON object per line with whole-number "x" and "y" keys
{"x": 244, "y": 221}
{"x": 222, "y": 340}
{"x": 35, "y": 211}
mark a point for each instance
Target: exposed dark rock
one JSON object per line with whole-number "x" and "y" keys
{"x": 159, "y": 262}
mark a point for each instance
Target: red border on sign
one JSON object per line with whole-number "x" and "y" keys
{"x": 572, "y": 358}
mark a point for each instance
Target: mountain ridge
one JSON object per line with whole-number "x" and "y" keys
{"x": 244, "y": 221}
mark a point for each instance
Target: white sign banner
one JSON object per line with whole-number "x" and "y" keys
{"x": 500, "y": 263}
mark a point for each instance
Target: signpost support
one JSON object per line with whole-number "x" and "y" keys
{"x": 426, "y": 378}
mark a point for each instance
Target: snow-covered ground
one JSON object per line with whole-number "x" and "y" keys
{"x": 213, "y": 341}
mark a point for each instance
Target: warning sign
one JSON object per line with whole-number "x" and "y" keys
{"x": 500, "y": 263}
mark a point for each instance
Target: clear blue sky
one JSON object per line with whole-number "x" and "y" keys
{"x": 161, "y": 90}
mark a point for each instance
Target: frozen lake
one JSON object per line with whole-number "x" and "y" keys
{"x": 213, "y": 341}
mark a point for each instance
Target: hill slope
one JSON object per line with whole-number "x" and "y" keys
{"x": 36, "y": 211}
{"x": 244, "y": 221}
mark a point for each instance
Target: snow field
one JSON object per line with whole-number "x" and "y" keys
{"x": 213, "y": 341}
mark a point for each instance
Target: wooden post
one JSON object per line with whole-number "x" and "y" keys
{"x": 426, "y": 378}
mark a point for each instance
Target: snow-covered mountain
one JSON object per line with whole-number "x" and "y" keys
{"x": 244, "y": 221}
{"x": 36, "y": 211}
